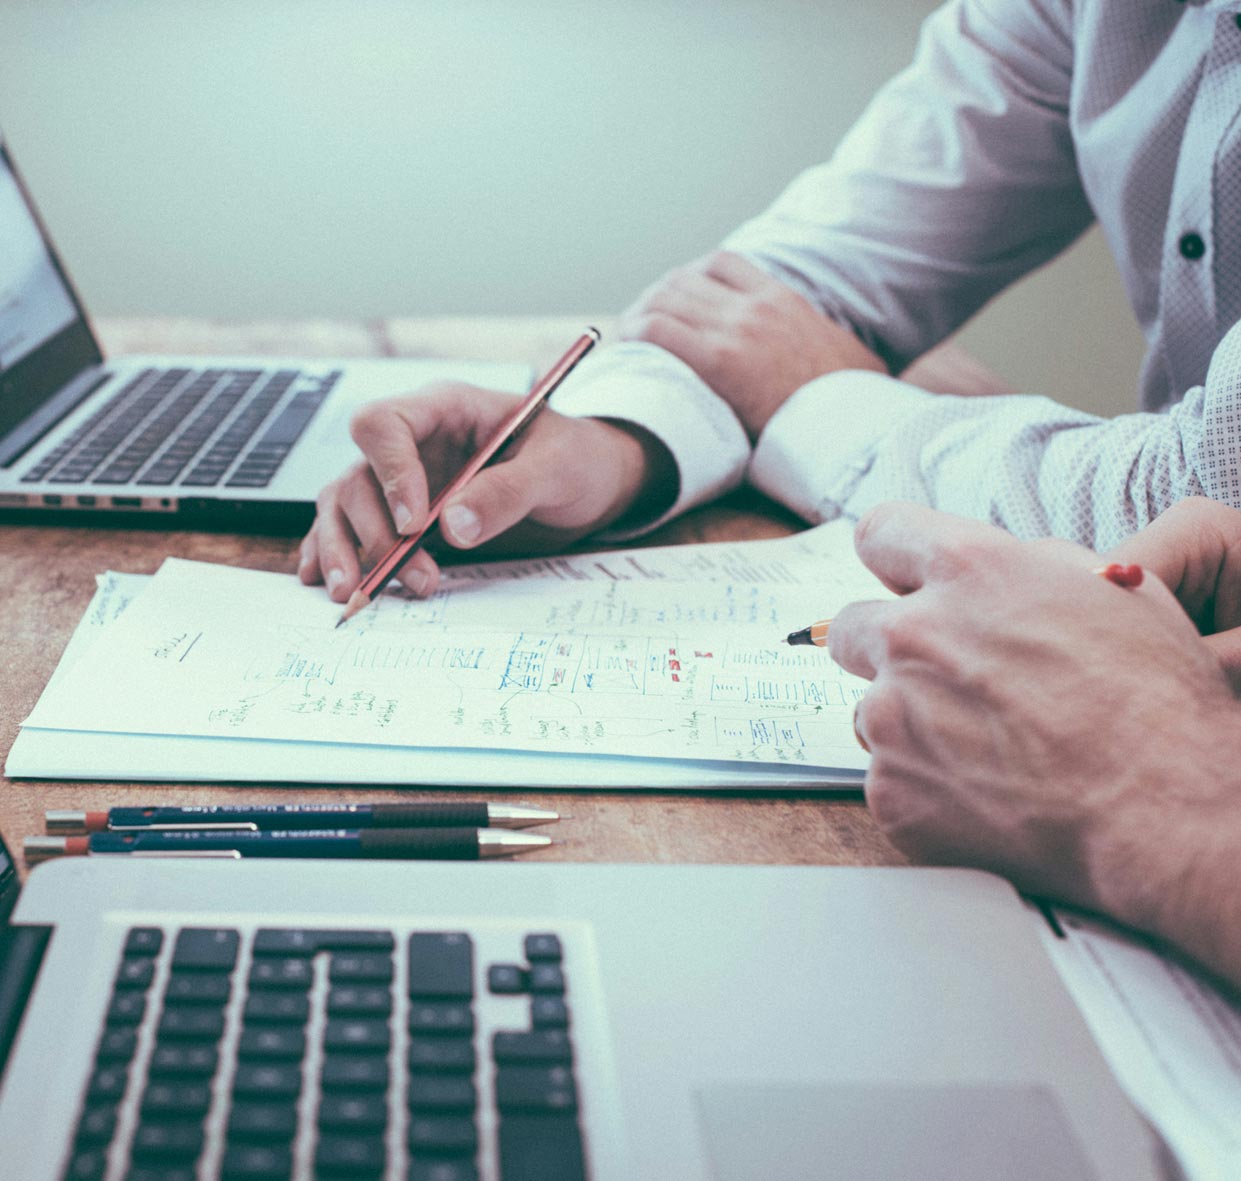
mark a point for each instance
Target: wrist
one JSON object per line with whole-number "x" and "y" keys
{"x": 1166, "y": 859}
{"x": 646, "y": 473}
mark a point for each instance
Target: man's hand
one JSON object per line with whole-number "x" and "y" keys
{"x": 563, "y": 478}
{"x": 1195, "y": 548}
{"x": 752, "y": 339}
{"x": 1032, "y": 718}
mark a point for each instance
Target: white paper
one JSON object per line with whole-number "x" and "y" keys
{"x": 673, "y": 671}
{"x": 1171, "y": 1037}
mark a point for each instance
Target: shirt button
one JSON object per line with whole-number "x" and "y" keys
{"x": 1192, "y": 246}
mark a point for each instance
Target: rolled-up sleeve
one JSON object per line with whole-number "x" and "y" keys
{"x": 851, "y": 440}
{"x": 959, "y": 178}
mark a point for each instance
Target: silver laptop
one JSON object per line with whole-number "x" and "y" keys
{"x": 217, "y": 440}
{"x": 543, "y": 1022}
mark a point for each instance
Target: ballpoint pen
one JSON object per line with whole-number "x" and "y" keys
{"x": 458, "y": 844}
{"x": 405, "y": 547}
{"x": 228, "y": 817}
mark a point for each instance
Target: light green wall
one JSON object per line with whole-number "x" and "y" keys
{"x": 370, "y": 157}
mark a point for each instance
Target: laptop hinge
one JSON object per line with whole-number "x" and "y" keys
{"x": 34, "y": 426}
{"x": 21, "y": 955}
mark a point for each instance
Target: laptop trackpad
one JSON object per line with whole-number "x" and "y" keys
{"x": 799, "y": 1132}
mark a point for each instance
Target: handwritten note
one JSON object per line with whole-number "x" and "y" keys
{"x": 657, "y": 665}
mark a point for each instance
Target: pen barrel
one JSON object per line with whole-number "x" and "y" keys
{"x": 304, "y": 816}
{"x": 440, "y": 843}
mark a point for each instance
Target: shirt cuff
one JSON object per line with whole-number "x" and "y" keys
{"x": 638, "y": 383}
{"x": 821, "y": 443}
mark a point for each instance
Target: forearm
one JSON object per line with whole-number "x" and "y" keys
{"x": 1025, "y": 463}
{"x": 1169, "y": 865}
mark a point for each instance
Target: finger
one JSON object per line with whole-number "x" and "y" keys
{"x": 337, "y": 547}
{"x": 906, "y": 544}
{"x": 736, "y": 272}
{"x": 676, "y": 336}
{"x": 856, "y": 639}
{"x": 1195, "y": 549}
{"x": 495, "y": 500}
{"x": 387, "y": 433}
{"x": 308, "y": 569}
{"x": 1227, "y": 648}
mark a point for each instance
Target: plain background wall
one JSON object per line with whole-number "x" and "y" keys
{"x": 372, "y": 157}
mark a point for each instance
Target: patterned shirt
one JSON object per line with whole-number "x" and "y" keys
{"x": 1019, "y": 123}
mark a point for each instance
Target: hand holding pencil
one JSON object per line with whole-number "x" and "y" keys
{"x": 565, "y": 477}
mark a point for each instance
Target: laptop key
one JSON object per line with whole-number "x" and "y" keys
{"x": 357, "y": 1000}
{"x": 144, "y": 941}
{"x": 256, "y": 1162}
{"x": 183, "y": 1061}
{"x": 163, "y": 1098}
{"x": 543, "y": 947}
{"x": 272, "y": 1042}
{"x": 442, "y": 1092}
{"x": 549, "y": 1012}
{"x": 262, "y": 1080}
{"x": 434, "y": 1054}
{"x": 191, "y": 1023}
{"x": 97, "y": 1124}
{"x": 160, "y": 1173}
{"x": 272, "y": 1005}
{"x": 357, "y": 1034}
{"x": 441, "y": 964}
{"x": 108, "y": 1082}
{"x": 507, "y": 979}
{"x": 360, "y": 967}
{"x": 546, "y": 978}
{"x": 431, "y": 1017}
{"x": 192, "y": 988}
{"x": 535, "y": 1147}
{"x": 280, "y": 972}
{"x": 205, "y": 949}
{"x": 87, "y": 1164}
{"x": 291, "y": 941}
{"x": 354, "y": 1113}
{"x": 135, "y": 972}
{"x": 117, "y": 1044}
{"x": 257, "y": 1121}
{"x": 127, "y": 1008}
{"x": 358, "y": 1158}
{"x": 444, "y": 1134}
{"x": 167, "y": 1140}
{"x": 354, "y": 1072}
{"x": 431, "y": 1169}
{"x": 534, "y": 1088}
{"x": 537, "y": 1045}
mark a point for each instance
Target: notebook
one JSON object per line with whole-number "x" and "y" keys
{"x": 544, "y": 1022}
{"x": 216, "y": 441}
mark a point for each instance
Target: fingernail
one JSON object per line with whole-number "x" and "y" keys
{"x": 462, "y": 523}
{"x": 334, "y": 579}
{"x": 402, "y": 518}
{"x": 418, "y": 582}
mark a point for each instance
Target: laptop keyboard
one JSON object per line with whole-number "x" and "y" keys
{"x": 294, "y": 1052}
{"x": 195, "y": 428}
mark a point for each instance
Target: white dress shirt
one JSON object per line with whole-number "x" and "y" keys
{"x": 1018, "y": 124}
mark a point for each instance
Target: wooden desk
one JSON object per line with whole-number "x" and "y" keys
{"x": 47, "y": 577}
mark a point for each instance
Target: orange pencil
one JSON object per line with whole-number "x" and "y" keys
{"x": 530, "y": 405}
{"x": 815, "y": 634}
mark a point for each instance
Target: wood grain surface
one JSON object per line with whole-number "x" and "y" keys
{"x": 47, "y": 577}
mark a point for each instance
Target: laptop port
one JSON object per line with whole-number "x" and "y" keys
{"x": 127, "y": 502}
{"x": 53, "y": 500}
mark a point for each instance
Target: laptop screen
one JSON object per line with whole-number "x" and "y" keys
{"x": 44, "y": 338}
{"x": 34, "y": 303}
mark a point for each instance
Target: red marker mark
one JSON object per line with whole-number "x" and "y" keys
{"x": 1126, "y": 576}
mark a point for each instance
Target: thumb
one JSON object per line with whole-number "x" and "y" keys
{"x": 1227, "y": 649}
{"x": 495, "y": 500}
